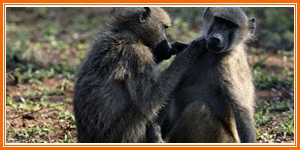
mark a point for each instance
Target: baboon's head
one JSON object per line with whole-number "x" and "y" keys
{"x": 148, "y": 24}
{"x": 226, "y": 27}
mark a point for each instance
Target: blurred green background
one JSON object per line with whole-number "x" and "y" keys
{"x": 45, "y": 45}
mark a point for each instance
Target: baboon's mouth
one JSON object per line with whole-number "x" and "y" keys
{"x": 215, "y": 48}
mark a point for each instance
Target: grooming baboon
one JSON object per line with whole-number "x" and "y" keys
{"x": 119, "y": 88}
{"x": 214, "y": 101}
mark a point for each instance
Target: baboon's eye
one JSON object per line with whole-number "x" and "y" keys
{"x": 230, "y": 24}
{"x": 218, "y": 20}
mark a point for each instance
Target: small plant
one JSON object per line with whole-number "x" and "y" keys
{"x": 260, "y": 62}
{"x": 10, "y": 103}
{"x": 68, "y": 138}
{"x": 65, "y": 115}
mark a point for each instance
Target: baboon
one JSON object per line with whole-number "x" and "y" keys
{"x": 214, "y": 101}
{"x": 119, "y": 87}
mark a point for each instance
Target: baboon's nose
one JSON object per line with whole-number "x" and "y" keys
{"x": 216, "y": 41}
{"x": 215, "y": 44}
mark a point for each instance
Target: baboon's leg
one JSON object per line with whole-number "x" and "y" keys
{"x": 245, "y": 126}
{"x": 199, "y": 124}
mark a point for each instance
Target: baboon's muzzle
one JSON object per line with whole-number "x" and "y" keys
{"x": 216, "y": 42}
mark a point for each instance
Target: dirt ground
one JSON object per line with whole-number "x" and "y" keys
{"x": 17, "y": 119}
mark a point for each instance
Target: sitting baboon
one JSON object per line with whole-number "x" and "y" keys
{"x": 214, "y": 101}
{"x": 119, "y": 87}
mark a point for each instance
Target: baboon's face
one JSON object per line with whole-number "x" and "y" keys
{"x": 226, "y": 27}
{"x": 220, "y": 35}
{"x": 149, "y": 24}
{"x": 154, "y": 28}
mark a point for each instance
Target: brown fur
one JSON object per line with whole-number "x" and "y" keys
{"x": 212, "y": 132}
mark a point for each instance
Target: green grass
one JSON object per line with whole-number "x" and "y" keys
{"x": 268, "y": 80}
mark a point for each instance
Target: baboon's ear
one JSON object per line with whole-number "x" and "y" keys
{"x": 207, "y": 15}
{"x": 252, "y": 24}
{"x": 114, "y": 12}
{"x": 145, "y": 14}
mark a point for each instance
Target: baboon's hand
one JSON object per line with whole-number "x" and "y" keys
{"x": 153, "y": 133}
{"x": 178, "y": 47}
{"x": 199, "y": 43}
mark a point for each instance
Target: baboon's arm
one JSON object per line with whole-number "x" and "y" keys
{"x": 152, "y": 94}
{"x": 177, "y": 47}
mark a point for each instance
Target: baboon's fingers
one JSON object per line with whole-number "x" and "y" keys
{"x": 153, "y": 133}
{"x": 178, "y": 47}
{"x": 199, "y": 42}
